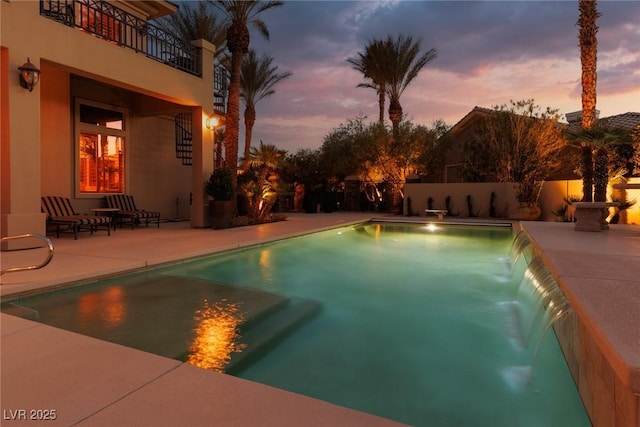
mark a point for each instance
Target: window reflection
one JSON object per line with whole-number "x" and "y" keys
{"x": 106, "y": 307}
{"x": 101, "y": 149}
{"x": 101, "y": 163}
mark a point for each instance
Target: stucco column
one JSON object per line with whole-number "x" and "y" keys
{"x": 202, "y": 161}
{"x": 20, "y": 140}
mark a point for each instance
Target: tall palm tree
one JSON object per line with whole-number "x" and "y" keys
{"x": 240, "y": 13}
{"x": 588, "y": 58}
{"x": 371, "y": 64}
{"x": 404, "y": 63}
{"x": 258, "y": 78}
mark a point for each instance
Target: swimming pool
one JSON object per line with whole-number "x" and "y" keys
{"x": 395, "y": 320}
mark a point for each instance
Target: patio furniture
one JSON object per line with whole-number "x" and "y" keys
{"x": 129, "y": 212}
{"x": 439, "y": 212}
{"x": 60, "y": 213}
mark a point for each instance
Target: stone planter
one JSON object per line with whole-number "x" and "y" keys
{"x": 592, "y": 216}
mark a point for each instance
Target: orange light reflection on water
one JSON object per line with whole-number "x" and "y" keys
{"x": 216, "y": 335}
{"x": 107, "y": 306}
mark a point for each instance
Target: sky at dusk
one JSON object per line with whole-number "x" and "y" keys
{"x": 488, "y": 54}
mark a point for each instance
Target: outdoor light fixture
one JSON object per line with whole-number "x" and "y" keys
{"x": 212, "y": 122}
{"x": 29, "y": 75}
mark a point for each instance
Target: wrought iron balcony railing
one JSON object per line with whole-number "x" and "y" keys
{"x": 117, "y": 26}
{"x": 124, "y": 29}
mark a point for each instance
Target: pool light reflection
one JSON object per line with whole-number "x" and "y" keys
{"x": 431, "y": 227}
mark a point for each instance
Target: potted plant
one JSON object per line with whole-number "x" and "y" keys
{"x": 220, "y": 188}
{"x": 527, "y": 195}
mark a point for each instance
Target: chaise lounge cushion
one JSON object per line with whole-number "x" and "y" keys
{"x": 60, "y": 213}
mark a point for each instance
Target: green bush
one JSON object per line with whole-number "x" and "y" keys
{"x": 220, "y": 184}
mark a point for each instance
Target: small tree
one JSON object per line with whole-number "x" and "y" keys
{"x": 262, "y": 189}
{"x": 519, "y": 142}
{"x": 381, "y": 161}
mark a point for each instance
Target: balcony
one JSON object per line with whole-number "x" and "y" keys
{"x": 114, "y": 25}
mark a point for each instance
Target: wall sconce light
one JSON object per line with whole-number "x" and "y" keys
{"x": 212, "y": 122}
{"x": 29, "y": 75}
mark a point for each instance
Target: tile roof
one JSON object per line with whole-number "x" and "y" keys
{"x": 462, "y": 123}
{"x": 623, "y": 121}
{"x": 628, "y": 120}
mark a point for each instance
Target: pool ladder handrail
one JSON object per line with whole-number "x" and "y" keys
{"x": 30, "y": 267}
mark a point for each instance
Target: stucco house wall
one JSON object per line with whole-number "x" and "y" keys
{"x": 162, "y": 189}
{"x": 38, "y": 141}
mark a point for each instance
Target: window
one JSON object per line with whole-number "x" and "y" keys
{"x": 100, "y": 135}
{"x": 99, "y": 19}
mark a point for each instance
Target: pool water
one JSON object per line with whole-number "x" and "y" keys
{"x": 395, "y": 320}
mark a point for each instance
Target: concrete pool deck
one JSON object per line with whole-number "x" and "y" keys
{"x": 91, "y": 382}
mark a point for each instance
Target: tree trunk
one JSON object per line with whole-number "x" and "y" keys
{"x": 233, "y": 111}
{"x": 600, "y": 176}
{"x": 586, "y": 166}
{"x": 381, "y": 101}
{"x": 219, "y": 160}
{"x": 395, "y": 116}
{"x": 588, "y": 59}
{"x": 249, "y": 121}
{"x": 238, "y": 44}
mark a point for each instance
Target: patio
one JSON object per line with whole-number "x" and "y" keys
{"x": 91, "y": 382}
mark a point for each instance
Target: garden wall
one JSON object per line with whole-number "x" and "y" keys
{"x": 506, "y": 206}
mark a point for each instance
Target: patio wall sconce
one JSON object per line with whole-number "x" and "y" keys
{"x": 29, "y": 75}
{"x": 212, "y": 122}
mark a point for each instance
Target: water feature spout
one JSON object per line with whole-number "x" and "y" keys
{"x": 518, "y": 246}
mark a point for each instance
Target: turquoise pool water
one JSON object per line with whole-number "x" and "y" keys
{"x": 396, "y": 320}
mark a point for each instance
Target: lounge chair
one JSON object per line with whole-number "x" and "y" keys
{"x": 60, "y": 213}
{"x": 129, "y": 212}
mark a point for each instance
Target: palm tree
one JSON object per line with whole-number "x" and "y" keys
{"x": 600, "y": 139}
{"x": 263, "y": 191}
{"x": 257, "y": 81}
{"x": 588, "y": 59}
{"x": 196, "y": 23}
{"x": 240, "y": 13}
{"x": 371, "y": 64}
{"x": 266, "y": 158}
{"x": 404, "y": 64}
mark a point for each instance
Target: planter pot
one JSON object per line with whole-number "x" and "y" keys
{"x": 527, "y": 212}
{"x": 221, "y": 213}
{"x": 590, "y": 216}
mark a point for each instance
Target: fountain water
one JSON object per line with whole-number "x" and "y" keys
{"x": 539, "y": 304}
